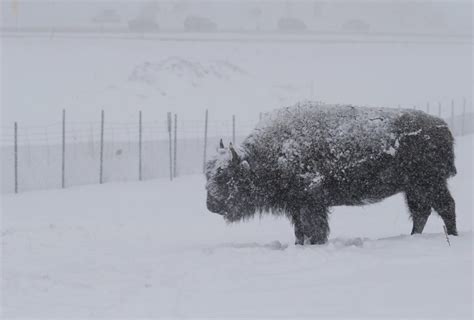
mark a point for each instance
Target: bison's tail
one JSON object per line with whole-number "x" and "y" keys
{"x": 430, "y": 154}
{"x": 444, "y": 145}
{"x": 428, "y": 147}
{"x": 452, "y": 168}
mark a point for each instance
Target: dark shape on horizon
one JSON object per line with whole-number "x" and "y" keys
{"x": 106, "y": 16}
{"x": 356, "y": 26}
{"x": 143, "y": 25}
{"x": 291, "y": 25}
{"x": 199, "y": 24}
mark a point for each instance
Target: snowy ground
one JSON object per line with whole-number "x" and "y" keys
{"x": 151, "y": 249}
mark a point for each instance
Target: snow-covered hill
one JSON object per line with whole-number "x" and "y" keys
{"x": 123, "y": 76}
{"x": 151, "y": 249}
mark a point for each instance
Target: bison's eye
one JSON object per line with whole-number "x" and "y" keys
{"x": 221, "y": 179}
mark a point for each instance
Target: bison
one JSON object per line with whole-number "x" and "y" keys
{"x": 299, "y": 161}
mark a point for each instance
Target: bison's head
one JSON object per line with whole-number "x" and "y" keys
{"x": 229, "y": 186}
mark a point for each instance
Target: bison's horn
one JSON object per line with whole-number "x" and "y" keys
{"x": 235, "y": 156}
{"x": 221, "y": 144}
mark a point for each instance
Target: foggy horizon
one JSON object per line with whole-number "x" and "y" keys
{"x": 427, "y": 17}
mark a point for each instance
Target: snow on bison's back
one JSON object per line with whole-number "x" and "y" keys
{"x": 301, "y": 160}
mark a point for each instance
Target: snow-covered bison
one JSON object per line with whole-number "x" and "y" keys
{"x": 301, "y": 160}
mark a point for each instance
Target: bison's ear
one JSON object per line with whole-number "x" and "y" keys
{"x": 235, "y": 156}
{"x": 221, "y": 145}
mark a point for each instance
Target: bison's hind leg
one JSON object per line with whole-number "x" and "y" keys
{"x": 420, "y": 208}
{"x": 421, "y": 200}
{"x": 444, "y": 204}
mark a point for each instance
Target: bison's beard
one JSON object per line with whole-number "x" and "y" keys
{"x": 240, "y": 214}
{"x": 230, "y": 218}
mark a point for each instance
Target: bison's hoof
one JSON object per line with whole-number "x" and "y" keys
{"x": 299, "y": 242}
{"x": 452, "y": 230}
{"x": 453, "y": 233}
{"x": 317, "y": 241}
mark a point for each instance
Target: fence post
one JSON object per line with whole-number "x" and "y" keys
{"x": 63, "y": 155}
{"x": 170, "y": 146}
{"x": 175, "y": 161}
{"x": 111, "y": 133}
{"x": 463, "y": 115}
{"x": 48, "y": 151}
{"x": 452, "y": 115}
{"x": 28, "y": 145}
{"x": 428, "y": 107}
{"x": 439, "y": 109}
{"x": 91, "y": 141}
{"x": 140, "y": 146}
{"x": 101, "y": 169}
{"x": 205, "y": 141}
{"x": 233, "y": 129}
{"x": 15, "y": 155}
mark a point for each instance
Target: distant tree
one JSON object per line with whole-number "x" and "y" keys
{"x": 256, "y": 14}
{"x": 317, "y": 9}
{"x": 434, "y": 20}
{"x": 356, "y": 25}
{"x": 288, "y": 12}
{"x": 106, "y": 17}
{"x": 145, "y": 21}
{"x": 180, "y": 7}
{"x": 199, "y": 24}
{"x": 149, "y": 11}
{"x": 291, "y": 25}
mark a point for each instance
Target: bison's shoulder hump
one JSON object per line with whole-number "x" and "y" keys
{"x": 331, "y": 123}
{"x": 344, "y": 132}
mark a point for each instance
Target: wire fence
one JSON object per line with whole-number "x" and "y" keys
{"x": 67, "y": 153}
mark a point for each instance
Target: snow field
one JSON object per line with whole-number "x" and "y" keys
{"x": 151, "y": 249}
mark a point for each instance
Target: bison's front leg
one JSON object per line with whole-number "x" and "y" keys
{"x": 299, "y": 231}
{"x": 315, "y": 224}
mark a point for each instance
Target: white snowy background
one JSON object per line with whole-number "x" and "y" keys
{"x": 151, "y": 249}
{"x": 41, "y": 77}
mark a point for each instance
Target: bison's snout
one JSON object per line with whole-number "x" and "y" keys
{"x": 214, "y": 206}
